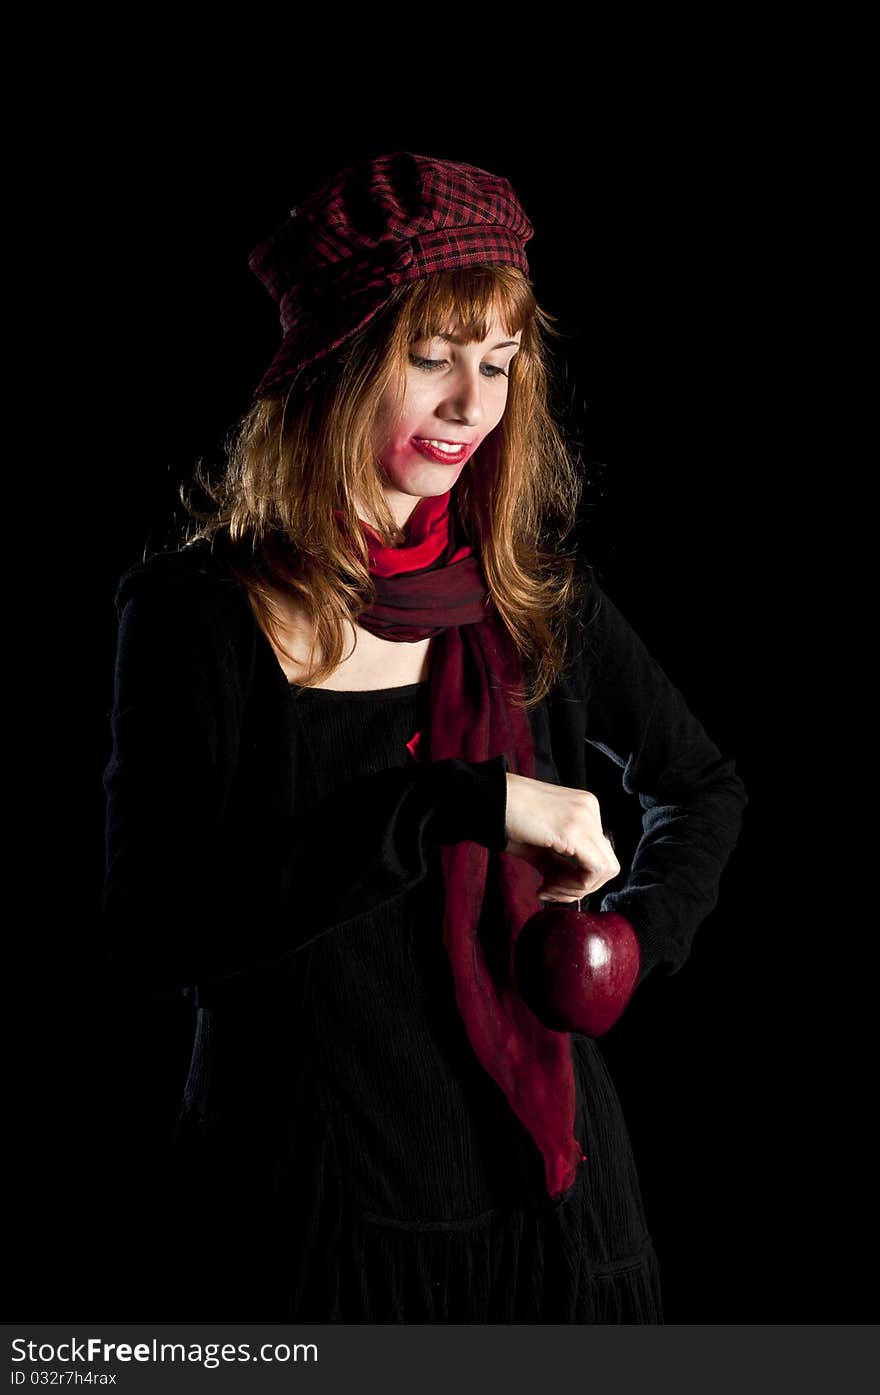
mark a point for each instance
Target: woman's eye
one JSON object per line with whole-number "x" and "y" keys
{"x": 429, "y": 364}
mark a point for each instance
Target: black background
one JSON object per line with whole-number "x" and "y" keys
{"x": 667, "y": 241}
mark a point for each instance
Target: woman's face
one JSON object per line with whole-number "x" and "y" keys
{"x": 455, "y": 395}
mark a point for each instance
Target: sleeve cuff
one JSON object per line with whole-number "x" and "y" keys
{"x": 471, "y": 801}
{"x": 651, "y": 949}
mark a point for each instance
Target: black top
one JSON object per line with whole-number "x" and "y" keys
{"x": 205, "y": 770}
{"x": 275, "y": 851}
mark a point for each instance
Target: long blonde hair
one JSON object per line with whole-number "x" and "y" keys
{"x": 306, "y": 449}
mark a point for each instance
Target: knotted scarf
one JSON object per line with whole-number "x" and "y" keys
{"x": 434, "y": 586}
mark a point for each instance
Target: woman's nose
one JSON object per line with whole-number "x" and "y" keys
{"x": 465, "y": 399}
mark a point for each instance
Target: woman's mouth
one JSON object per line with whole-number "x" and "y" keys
{"x": 444, "y": 453}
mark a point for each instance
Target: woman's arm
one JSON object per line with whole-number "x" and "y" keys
{"x": 691, "y": 796}
{"x": 191, "y": 895}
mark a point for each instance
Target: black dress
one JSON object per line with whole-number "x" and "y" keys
{"x": 376, "y": 1174}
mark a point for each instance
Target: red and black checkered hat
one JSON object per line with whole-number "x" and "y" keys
{"x": 377, "y": 225}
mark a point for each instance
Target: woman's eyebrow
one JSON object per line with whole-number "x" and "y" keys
{"x": 454, "y": 339}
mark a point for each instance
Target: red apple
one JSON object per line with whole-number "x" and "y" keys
{"x": 577, "y": 970}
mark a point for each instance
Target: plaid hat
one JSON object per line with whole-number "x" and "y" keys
{"x": 379, "y": 224}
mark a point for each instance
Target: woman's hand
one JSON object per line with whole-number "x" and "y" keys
{"x": 559, "y": 831}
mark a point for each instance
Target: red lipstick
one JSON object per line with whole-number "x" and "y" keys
{"x": 445, "y": 457}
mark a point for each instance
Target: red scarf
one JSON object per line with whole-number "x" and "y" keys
{"x": 434, "y": 585}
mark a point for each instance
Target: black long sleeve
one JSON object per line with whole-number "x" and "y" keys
{"x": 194, "y": 891}
{"x": 691, "y": 796}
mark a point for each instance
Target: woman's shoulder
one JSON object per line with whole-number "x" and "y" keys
{"x": 198, "y": 569}
{"x": 186, "y": 596}
{"x": 183, "y": 611}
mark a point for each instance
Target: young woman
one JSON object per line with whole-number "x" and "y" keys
{"x": 351, "y": 723}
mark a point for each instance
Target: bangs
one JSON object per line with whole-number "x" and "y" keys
{"x": 465, "y": 301}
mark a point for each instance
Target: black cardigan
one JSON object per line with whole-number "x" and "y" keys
{"x": 209, "y": 877}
